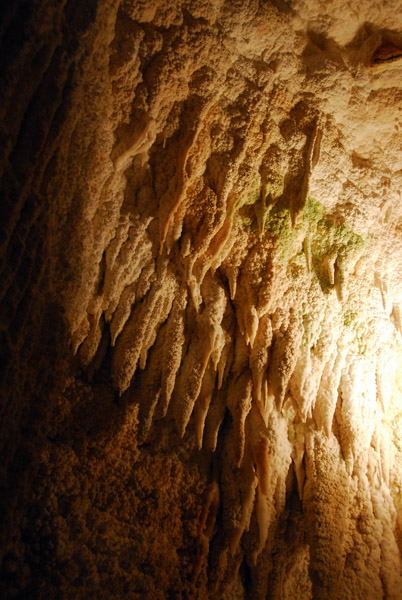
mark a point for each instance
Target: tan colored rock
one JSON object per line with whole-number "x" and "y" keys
{"x": 201, "y": 282}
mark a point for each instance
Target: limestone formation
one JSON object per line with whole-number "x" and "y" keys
{"x": 201, "y": 291}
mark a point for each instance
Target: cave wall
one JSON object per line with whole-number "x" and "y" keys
{"x": 201, "y": 288}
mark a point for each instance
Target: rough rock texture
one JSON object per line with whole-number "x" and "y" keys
{"x": 201, "y": 296}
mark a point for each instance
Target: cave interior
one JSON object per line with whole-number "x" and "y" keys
{"x": 201, "y": 299}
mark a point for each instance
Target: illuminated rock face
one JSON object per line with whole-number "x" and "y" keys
{"x": 201, "y": 300}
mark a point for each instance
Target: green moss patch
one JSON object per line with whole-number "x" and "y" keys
{"x": 329, "y": 243}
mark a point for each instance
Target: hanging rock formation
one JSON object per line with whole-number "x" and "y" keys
{"x": 201, "y": 291}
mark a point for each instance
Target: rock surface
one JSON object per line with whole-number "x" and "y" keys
{"x": 201, "y": 295}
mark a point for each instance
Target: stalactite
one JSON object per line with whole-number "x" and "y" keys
{"x": 259, "y": 358}
{"x": 239, "y": 403}
{"x": 283, "y": 359}
{"x": 172, "y": 349}
{"x": 132, "y": 344}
